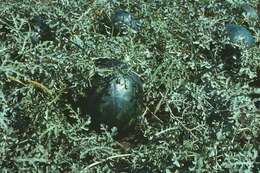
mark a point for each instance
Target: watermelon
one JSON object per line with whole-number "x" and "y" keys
{"x": 42, "y": 31}
{"x": 239, "y": 34}
{"x": 122, "y": 20}
{"x": 115, "y": 99}
{"x": 249, "y": 11}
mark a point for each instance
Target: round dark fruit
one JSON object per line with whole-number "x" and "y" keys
{"x": 116, "y": 100}
{"x": 231, "y": 54}
{"x": 122, "y": 20}
{"x": 249, "y": 11}
{"x": 42, "y": 30}
{"x": 239, "y": 34}
{"x": 257, "y": 104}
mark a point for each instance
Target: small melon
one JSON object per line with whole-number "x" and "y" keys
{"x": 117, "y": 99}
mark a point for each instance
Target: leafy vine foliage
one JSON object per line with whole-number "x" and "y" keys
{"x": 200, "y": 97}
